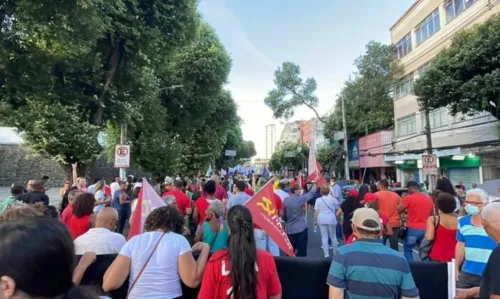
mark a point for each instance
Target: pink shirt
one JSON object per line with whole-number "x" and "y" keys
{"x": 66, "y": 214}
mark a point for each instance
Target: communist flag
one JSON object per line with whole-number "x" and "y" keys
{"x": 266, "y": 215}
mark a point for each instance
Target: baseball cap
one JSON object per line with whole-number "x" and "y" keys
{"x": 412, "y": 184}
{"x": 353, "y": 193}
{"x": 169, "y": 181}
{"x": 367, "y": 219}
{"x": 369, "y": 198}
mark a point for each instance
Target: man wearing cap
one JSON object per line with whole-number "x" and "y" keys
{"x": 295, "y": 217}
{"x": 419, "y": 208}
{"x": 387, "y": 270}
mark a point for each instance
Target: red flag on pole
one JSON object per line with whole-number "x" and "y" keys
{"x": 266, "y": 215}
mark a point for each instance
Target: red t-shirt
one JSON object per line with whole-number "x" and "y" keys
{"x": 388, "y": 202}
{"x": 216, "y": 283}
{"x": 107, "y": 190}
{"x": 220, "y": 193}
{"x": 202, "y": 206}
{"x": 182, "y": 200}
{"x": 66, "y": 214}
{"x": 78, "y": 226}
{"x": 249, "y": 191}
{"x": 278, "y": 202}
{"x": 420, "y": 208}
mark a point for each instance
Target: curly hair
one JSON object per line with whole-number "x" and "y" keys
{"x": 20, "y": 211}
{"x": 83, "y": 205}
{"x": 166, "y": 218}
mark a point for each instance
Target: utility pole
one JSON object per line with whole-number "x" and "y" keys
{"x": 344, "y": 122}
{"x": 428, "y": 136}
{"x": 123, "y": 141}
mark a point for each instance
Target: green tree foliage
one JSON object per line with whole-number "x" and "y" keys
{"x": 331, "y": 158}
{"x": 291, "y": 91}
{"x": 466, "y": 76}
{"x": 234, "y": 141}
{"x": 368, "y": 97}
{"x": 68, "y": 67}
{"x": 292, "y": 155}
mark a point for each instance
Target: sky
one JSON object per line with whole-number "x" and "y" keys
{"x": 323, "y": 37}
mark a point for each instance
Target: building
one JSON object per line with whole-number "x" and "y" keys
{"x": 372, "y": 164}
{"x": 290, "y": 133}
{"x": 270, "y": 140}
{"x": 426, "y": 28}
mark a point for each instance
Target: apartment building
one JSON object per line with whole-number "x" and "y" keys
{"x": 461, "y": 142}
{"x": 270, "y": 140}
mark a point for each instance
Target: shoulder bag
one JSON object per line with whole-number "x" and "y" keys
{"x": 426, "y": 246}
{"x": 145, "y": 264}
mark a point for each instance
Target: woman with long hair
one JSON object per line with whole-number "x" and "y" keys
{"x": 101, "y": 199}
{"x": 242, "y": 270}
{"x": 46, "y": 272}
{"x": 444, "y": 184}
{"x": 83, "y": 217}
{"x": 158, "y": 259}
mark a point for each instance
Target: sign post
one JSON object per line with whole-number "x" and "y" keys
{"x": 122, "y": 156}
{"x": 429, "y": 164}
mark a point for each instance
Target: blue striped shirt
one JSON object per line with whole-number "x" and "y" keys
{"x": 478, "y": 246}
{"x": 368, "y": 269}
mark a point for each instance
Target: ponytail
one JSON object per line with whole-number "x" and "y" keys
{"x": 242, "y": 253}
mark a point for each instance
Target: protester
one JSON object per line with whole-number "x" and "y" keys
{"x": 347, "y": 209}
{"x": 370, "y": 201}
{"x": 18, "y": 210}
{"x": 101, "y": 239}
{"x": 100, "y": 197}
{"x": 65, "y": 188}
{"x": 169, "y": 185}
{"x": 201, "y": 205}
{"x": 81, "y": 184}
{"x": 83, "y": 218}
{"x": 15, "y": 193}
{"x": 65, "y": 200}
{"x": 36, "y": 193}
{"x": 226, "y": 186}
{"x": 474, "y": 246}
{"x": 490, "y": 284}
{"x": 388, "y": 204}
{"x": 239, "y": 197}
{"x": 121, "y": 202}
{"x": 442, "y": 230}
{"x": 419, "y": 208}
{"x": 115, "y": 186}
{"x": 443, "y": 184}
{"x": 183, "y": 202}
{"x": 92, "y": 188}
{"x": 158, "y": 259}
{"x": 68, "y": 211}
{"x": 336, "y": 190}
{"x": 295, "y": 217}
{"x": 324, "y": 216}
{"x": 212, "y": 232}
{"x": 367, "y": 256}
{"x": 220, "y": 192}
{"x": 46, "y": 272}
{"x": 242, "y": 270}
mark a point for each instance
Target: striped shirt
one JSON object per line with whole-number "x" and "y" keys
{"x": 368, "y": 269}
{"x": 478, "y": 246}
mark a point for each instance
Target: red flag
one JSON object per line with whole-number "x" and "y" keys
{"x": 265, "y": 214}
{"x": 148, "y": 200}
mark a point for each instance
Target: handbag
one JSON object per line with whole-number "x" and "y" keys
{"x": 426, "y": 245}
{"x": 145, "y": 264}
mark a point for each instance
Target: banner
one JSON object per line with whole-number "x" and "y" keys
{"x": 314, "y": 167}
{"x": 148, "y": 201}
{"x": 266, "y": 215}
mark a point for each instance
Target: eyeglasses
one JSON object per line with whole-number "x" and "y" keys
{"x": 474, "y": 203}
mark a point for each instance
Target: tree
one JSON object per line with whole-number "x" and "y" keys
{"x": 466, "y": 76}
{"x": 66, "y": 68}
{"x": 234, "y": 141}
{"x": 291, "y": 91}
{"x": 368, "y": 95}
{"x": 331, "y": 158}
{"x": 292, "y": 155}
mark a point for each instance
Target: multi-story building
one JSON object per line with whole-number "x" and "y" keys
{"x": 290, "y": 133}
{"x": 270, "y": 140}
{"x": 461, "y": 142}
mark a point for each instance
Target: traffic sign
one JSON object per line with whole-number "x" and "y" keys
{"x": 430, "y": 164}
{"x": 230, "y": 153}
{"x": 122, "y": 156}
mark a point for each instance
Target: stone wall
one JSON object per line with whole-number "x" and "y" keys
{"x": 18, "y": 165}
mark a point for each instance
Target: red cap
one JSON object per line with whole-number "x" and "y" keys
{"x": 369, "y": 197}
{"x": 353, "y": 193}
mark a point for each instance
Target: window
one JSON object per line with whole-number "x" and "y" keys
{"x": 438, "y": 118}
{"x": 403, "y": 47}
{"x": 423, "y": 68}
{"x": 407, "y": 125}
{"x": 455, "y": 7}
{"x": 404, "y": 87}
{"x": 428, "y": 27}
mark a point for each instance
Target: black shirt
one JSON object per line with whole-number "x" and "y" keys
{"x": 348, "y": 207}
{"x": 490, "y": 284}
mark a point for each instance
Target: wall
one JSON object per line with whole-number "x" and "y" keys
{"x": 373, "y": 147}
{"x": 18, "y": 165}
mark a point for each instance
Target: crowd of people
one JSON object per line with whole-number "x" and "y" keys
{"x": 205, "y": 237}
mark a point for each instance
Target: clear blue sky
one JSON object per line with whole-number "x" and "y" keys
{"x": 322, "y": 36}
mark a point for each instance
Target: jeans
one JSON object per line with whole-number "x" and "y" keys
{"x": 299, "y": 242}
{"x": 338, "y": 230}
{"x": 123, "y": 215}
{"x": 393, "y": 239}
{"x": 328, "y": 232}
{"x": 413, "y": 237}
{"x": 264, "y": 242}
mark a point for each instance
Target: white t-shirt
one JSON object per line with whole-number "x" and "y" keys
{"x": 100, "y": 197}
{"x": 99, "y": 241}
{"x": 114, "y": 187}
{"x": 160, "y": 278}
{"x": 327, "y": 206}
{"x": 91, "y": 189}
